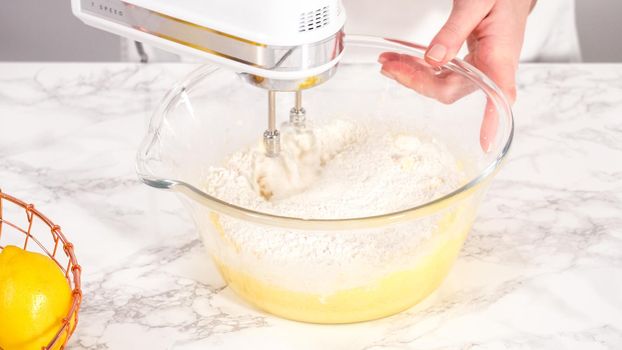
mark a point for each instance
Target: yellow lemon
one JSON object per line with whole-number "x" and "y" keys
{"x": 34, "y": 299}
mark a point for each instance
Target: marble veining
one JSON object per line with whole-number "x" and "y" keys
{"x": 542, "y": 268}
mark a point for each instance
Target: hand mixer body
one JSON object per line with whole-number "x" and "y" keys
{"x": 276, "y": 44}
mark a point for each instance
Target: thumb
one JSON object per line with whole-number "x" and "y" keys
{"x": 464, "y": 18}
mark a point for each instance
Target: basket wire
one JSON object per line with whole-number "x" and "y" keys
{"x": 71, "y": 269}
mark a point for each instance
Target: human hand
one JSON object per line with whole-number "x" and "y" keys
{"x": 493, "y": 31}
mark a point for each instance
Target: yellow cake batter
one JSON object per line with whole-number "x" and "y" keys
{"x": 384, "y": 297}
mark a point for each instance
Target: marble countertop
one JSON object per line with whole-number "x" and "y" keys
{"x": 542, "y": 268}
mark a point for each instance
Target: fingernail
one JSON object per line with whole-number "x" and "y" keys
{"x": 437, "y": 53}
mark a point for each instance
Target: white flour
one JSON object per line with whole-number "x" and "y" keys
{"x": 342, "y": 169}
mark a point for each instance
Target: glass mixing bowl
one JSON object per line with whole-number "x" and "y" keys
{"x": 367, "y": 267}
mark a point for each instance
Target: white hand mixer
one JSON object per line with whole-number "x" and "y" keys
{"x": 279, "y": 45}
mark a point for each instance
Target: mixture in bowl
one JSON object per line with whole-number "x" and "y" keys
{"x": 334, "y": 170}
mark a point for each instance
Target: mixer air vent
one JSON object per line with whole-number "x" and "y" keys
{"x": 313, "y": 19}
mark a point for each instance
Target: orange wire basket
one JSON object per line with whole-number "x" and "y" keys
{"x": 24, "y": 226}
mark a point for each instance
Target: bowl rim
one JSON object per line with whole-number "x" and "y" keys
{"x": 484, "y": 84}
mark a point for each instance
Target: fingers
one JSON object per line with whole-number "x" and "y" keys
{"x": 498, "y": 43}
{"x": 489, "y": 127}
{"x": 501, "y": 69}
{"x": 464, "y": 18}
{"x": 388, "y": 56}
{"x": 494, "y": 29}
{"x": 495, "y": 49}
{"x": 446, "y": 87}
{"x": 414, "y": 73}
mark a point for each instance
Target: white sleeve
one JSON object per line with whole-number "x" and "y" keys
{"x": 551, "y": 33}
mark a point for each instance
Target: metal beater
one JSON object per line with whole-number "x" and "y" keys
{"x": 272, "y": 137}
